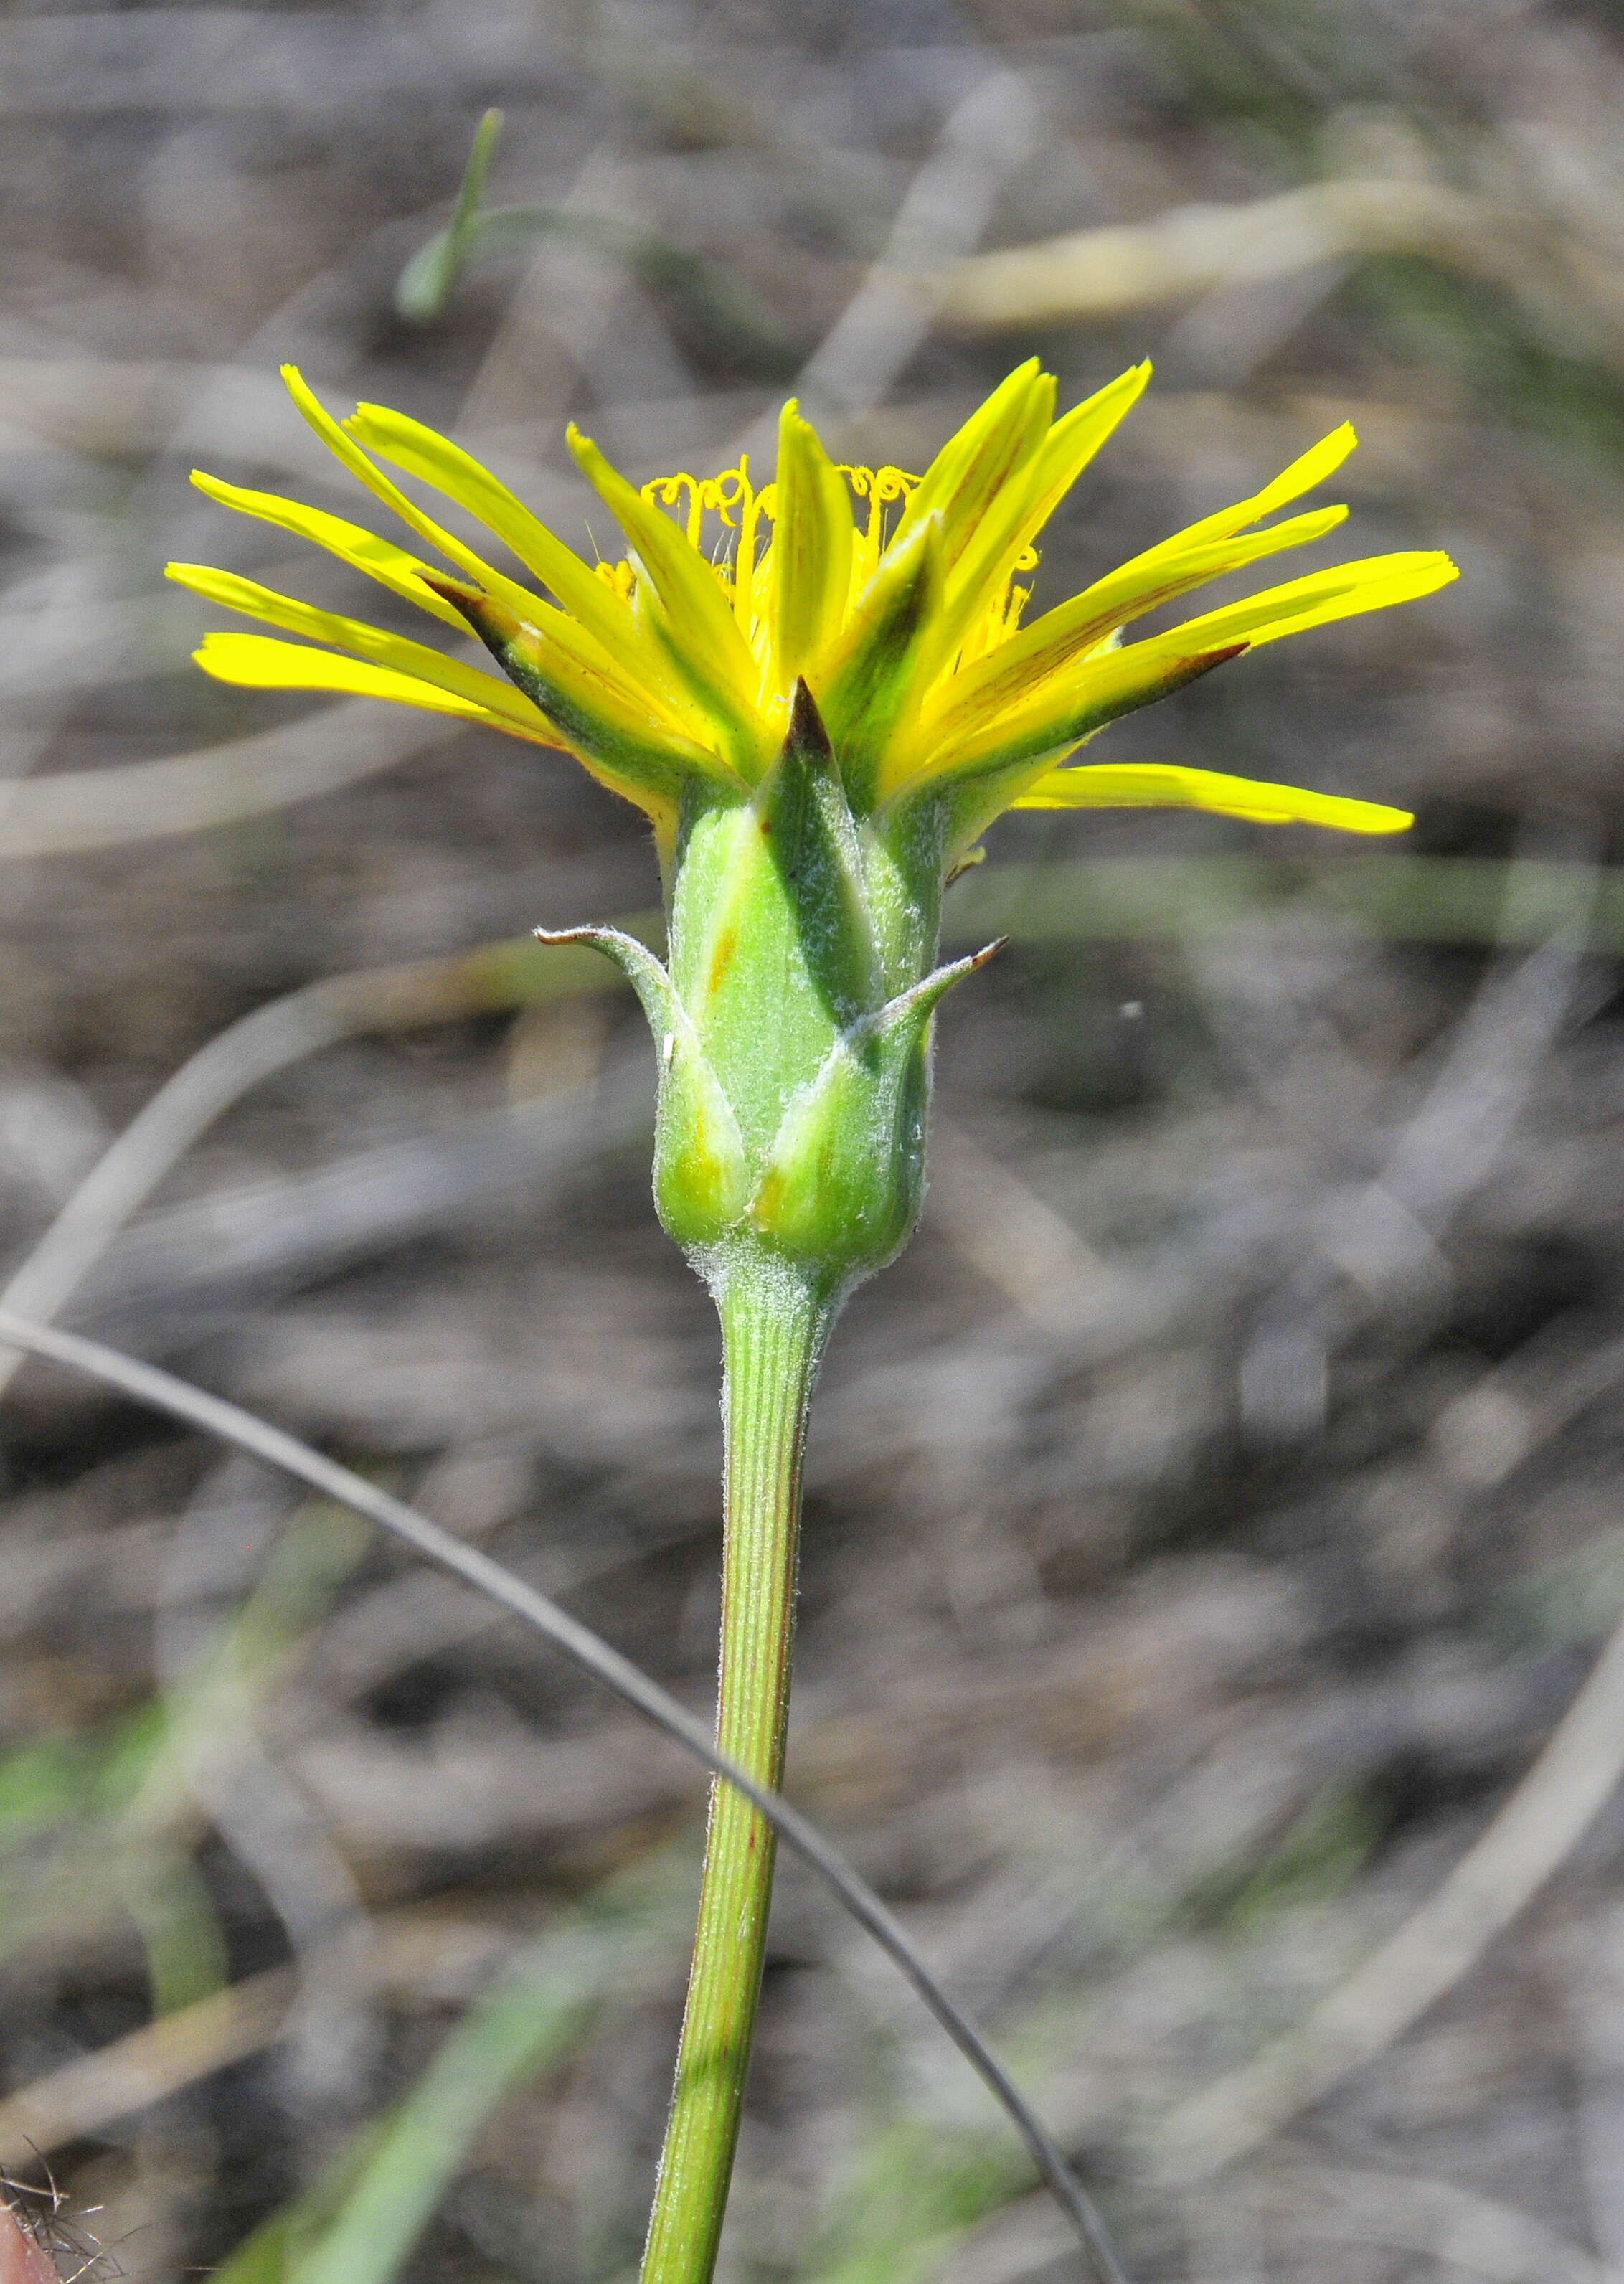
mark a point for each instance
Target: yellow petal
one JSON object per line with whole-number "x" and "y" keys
{"x": 1309, "y": 468}
{"x": 1070, "y": 707}
{"x": 812, "y": 548}
{"x": 707, "y": 643}
{"x": 1017, "y": 668}
{"x": 346, "y": 449}
{"x": 258, "y": 662}
{"x": 972, "y": 467}
{"x": 1075, "y": 438}
{"x": 604, "y": 719}
{"x": 866, "y": 687}
{"x": 371, "y": 642}
{"x": 435, "y": 461}
{"x": 379, "y": 559}
{"x": 1153, "y": 785}
{"x": 1371, "y": 584}
{"x": 1062, "y": 716}
{"x": 1014, "y": 519}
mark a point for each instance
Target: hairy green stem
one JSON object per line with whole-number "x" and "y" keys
{"x": 773, "y": 1325}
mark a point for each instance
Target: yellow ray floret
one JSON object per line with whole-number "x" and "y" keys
{"x": 391, "y": 567}
{"x": 415, "y": 662}
{"x": 1156, "y": 785}
{"x": 897, "y": 599}
{"x": 259, "y": 663}
{"x": 1044, "y": 716}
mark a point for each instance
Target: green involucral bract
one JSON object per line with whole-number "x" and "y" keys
{"x": 793, "y": 1023}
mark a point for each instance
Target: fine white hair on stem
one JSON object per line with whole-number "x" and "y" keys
{"x": 181, "y": 1400}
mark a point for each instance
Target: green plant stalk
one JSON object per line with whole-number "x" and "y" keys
{"x": 774, "y": 1322}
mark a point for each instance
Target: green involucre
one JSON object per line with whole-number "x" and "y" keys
{"x": 794, "y": 1022}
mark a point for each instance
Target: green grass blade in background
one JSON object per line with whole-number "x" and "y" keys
{"x": 362, "y": 2223}
{"x": 537, "y": 2012}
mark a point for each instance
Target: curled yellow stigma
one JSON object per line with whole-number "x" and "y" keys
{"x": 740, "y": 551}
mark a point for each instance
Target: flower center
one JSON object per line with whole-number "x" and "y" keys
{"x": 737, "y": 504}
{"x": 723, "y": 516}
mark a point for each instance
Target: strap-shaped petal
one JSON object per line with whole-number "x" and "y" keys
{"x": 1072, "y": 443}
{"x": 1071, "y": 707}
{"x": 261, "y": 663}
{"x": 709, "y": 644}
{"x": 1016, "y": 670}
{"x": 811, "y": 555}
{"x": 1015, "y": 518}
{"x": 346, "y": 449}
{"x": 989, "y": 451}
{"x": 379, "y": 558}
{"x": 371, "y": 642}
{"x": 1309, "y": 468}
{"x": 1372, "y": 583}
{"x": 596, "y": 714}
{"x": 1063, "y": 716}
{"x": 1154, "y": 784}
{"x": 435, "y": 461}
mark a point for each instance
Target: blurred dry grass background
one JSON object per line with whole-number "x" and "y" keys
{"x": 1212, "y": 1519}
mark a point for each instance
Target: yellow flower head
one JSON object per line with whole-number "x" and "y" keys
{"x": 897, "y": 602}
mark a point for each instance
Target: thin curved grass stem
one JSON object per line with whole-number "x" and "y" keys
{"x": 181, "y": 1399}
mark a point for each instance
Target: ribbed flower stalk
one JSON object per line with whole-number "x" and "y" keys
{"x": 773, "y": 1326}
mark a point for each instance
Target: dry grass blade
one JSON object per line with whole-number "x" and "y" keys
{"x": 1550, "y": 1811}
{"x": 1197, "y": 250}
{"x": 267, "y": 1041}
{"x": 147, "y": 1384}
{"x": 82, "y": 810}
{"x": 146, "y": 2066}
{"x": 989, "y": 134}
{"x": 1435, "y": 2219}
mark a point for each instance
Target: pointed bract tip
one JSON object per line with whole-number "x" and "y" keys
{"x": 988, "y": 952}
{"x": 452, "y": 591}
{"x": 806, "y": 725}
{"x": 489, "y": 619}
